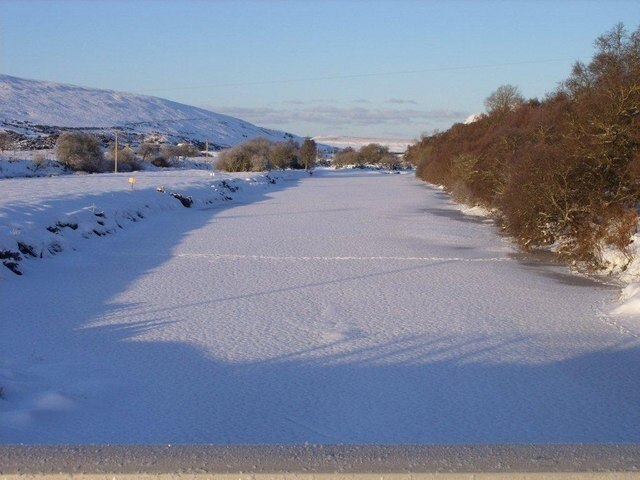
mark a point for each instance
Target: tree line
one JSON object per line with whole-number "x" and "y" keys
{"x": 82, "y": 151}
{"x": 371, "y": 154}
{"x": 260, "y": 154}
{"x": 561, "y": 171}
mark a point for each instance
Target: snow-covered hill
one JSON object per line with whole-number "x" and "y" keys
{"x": 474, "y": 117}
{"x": 27, "y": 107}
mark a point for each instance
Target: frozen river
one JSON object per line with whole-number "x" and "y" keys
{"x": 346, "y": 307}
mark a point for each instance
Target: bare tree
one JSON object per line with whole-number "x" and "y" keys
{"x": 148, "y": 149}
{"x": 505, "y": 99}
{"x": 308, "y": 153}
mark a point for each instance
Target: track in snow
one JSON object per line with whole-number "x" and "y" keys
{"x": 353, "y": 307}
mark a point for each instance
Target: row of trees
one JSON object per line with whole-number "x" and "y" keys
{"x": 371, "y": 154}
{"x": 260, "y": 154}
{"x": 564, "y": 170}
{"x": 83, "y": 152}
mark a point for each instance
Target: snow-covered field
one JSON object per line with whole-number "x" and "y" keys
{"x": 343, "y": 307}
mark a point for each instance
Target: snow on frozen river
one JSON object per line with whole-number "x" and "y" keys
{"x": 346, "y": 307}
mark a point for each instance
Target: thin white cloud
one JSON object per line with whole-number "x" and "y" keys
{"x": 401, "y": 101}
{"x": 332, "y": 115}
{"x": 294, "y": 102}
{"x": 330, "y": 101}
{"x": 312, "y": 101}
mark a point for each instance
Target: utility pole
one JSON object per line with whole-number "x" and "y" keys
{"x": 206, "y": 149}
{"x": 115, "y": 154}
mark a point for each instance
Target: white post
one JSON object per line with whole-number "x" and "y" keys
{"x": 206, "y": 149}
{"x": 115, "y": 154}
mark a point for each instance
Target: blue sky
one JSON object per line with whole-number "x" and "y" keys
{"x": 393, "y": 69}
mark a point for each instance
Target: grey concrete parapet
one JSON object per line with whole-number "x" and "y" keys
{"x": 321, "y": 461}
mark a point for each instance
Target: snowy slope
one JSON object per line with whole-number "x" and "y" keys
{"x": 54, "y": 104}
{"x": 474, "y": 117}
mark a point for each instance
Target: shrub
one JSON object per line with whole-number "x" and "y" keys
{"x": 127, "y": 159}
{"x": 6, "y": 142}
{"x": 38, "y": 161}
{"x": 80, "y": 151}
{"x": 284, "y": 155}
{"x": 347, "y": 156}
{"x": 372, "y": 153}
{"x": 259, "y": 163}
{"x": 160, "y": 161}
{"x": 187, "y": 150}
{"x": 170, "y": 152}
{"x": 391, "y": 162}
{"x": 148, "y": 150}
{"x": 236, "y": 159}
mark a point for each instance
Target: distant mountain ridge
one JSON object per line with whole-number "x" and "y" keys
{"x": 395, "y": 145}
{"x": 27, "y": 106}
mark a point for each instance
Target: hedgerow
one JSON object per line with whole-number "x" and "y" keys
{"x": 560, "y": 171}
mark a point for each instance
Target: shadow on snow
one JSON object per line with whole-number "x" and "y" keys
{"x": 411, "y": 390}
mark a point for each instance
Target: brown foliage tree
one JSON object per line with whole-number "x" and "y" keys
{"x": 561, "y": 170}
